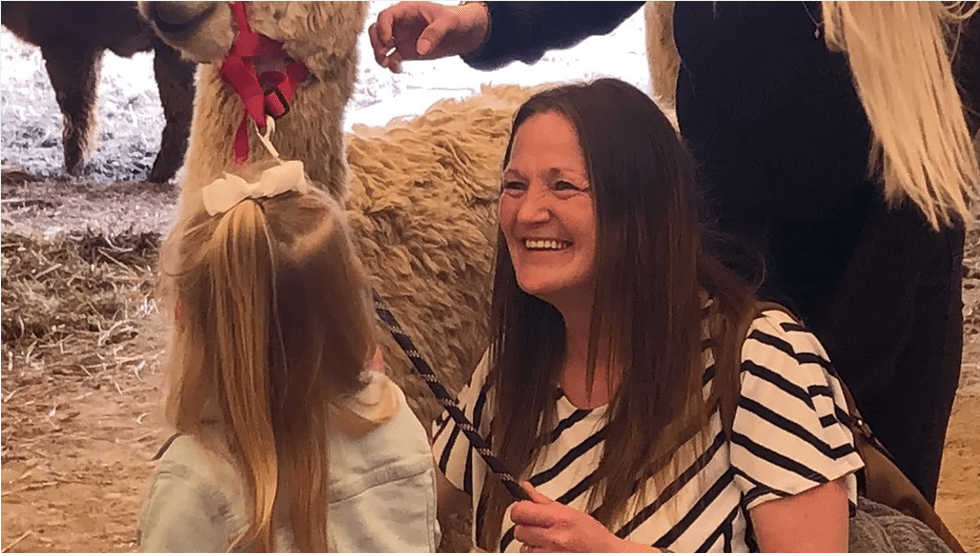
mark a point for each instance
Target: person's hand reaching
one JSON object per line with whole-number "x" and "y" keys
{"x": 426, "y": 31}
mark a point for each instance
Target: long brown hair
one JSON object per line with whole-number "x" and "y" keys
{"x": 653, "y": 273}
{"x": 273, "y": 327}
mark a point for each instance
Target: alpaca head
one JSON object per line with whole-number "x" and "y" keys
{"x": 322, "y": 36}
{"x": 318, "y": 33}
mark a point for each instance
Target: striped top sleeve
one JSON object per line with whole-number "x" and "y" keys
{"x": 450, "y": 445}
{"x": 789, "y": 433}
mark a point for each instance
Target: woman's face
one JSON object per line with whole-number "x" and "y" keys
{"x": 546, "y": 211}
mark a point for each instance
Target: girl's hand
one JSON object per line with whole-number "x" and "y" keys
{"x": 543, "y": 525}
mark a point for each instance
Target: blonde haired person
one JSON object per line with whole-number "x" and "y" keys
{"x": 833, "y": 137}
{"x": 291, "y": 438}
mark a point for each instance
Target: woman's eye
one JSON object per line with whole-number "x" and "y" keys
{"x": 568, "y": 186}
{"x": 513, "y": 186}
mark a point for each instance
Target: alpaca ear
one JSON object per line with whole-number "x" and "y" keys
{"x": 662, "y": 55}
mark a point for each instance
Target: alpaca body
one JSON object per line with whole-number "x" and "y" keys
{"x": 73, "y": 36}
{"x": 423, "y": 207}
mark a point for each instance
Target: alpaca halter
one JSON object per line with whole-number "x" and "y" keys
{"x": 264, "y": 95}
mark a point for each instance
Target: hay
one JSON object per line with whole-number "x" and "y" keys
{"x": 77, "y": 284}
{"x": 73, "y": 310}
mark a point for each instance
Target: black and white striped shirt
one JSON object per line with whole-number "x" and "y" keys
{"x": 787, "y": 437}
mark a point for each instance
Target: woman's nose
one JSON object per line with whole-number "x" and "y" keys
{"x": 535, "y": 207}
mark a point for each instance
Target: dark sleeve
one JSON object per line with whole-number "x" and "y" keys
{"x": 524, "y": 31}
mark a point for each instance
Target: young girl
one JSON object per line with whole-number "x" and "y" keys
{"x": 291, "y": 437}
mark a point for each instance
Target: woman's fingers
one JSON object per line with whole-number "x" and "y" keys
{"x": 533, "y": 493}
{"x": 543, "y": 525}
{"x": 534, "y": 514}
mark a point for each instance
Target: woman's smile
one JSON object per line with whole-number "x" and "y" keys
{"x": 533, "y": 244}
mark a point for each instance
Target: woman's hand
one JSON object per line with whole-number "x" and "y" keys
{"x": 543, "y": 525}
{"x": 426, "y": 31}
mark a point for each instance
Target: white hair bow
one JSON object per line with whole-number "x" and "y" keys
{"x": 223, "y": 193}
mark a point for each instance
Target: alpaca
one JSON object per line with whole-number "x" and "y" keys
{"x": 420, "y": 195}
{"x": 322, "y": 35}
{"x": 73, "y": 37}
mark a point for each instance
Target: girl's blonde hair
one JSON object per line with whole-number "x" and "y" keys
{"x": 273, "y": 327}
{"x": 899, "y": 54}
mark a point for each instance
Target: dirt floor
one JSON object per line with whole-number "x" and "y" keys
{"x": 81, "y": 360}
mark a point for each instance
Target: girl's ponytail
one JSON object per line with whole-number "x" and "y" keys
{"x": 242, "y": 282}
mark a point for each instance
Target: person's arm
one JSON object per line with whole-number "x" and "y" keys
{"x": 814, "y": 520}
{"x": 180, "y": 517}
{"x": 524, "y": 31}
{"x": 794, "y": 459}
{"x": 489, "y": 35}
{"x": 543, "y": 525}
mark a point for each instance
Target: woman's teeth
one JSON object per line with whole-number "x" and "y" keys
{"x": 546, "y": 244}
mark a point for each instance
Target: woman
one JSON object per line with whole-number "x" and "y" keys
{"x": 831, "y": 137}
{"x": 599, "y": 386}
{"x": 291, "y": 436}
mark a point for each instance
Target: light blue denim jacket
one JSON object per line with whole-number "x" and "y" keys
{"x": 382, "y": 494}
